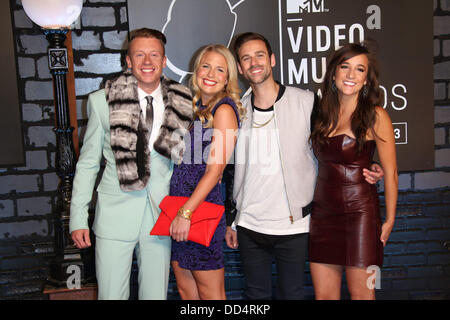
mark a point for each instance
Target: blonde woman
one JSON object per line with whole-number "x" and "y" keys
{"x": 199, "y": 270}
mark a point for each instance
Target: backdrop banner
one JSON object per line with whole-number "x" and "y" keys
{"x": 303, "y": 34}
{"x": 11, "y": 144}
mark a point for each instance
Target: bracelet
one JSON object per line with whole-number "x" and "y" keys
{"x": 185, "y": 213}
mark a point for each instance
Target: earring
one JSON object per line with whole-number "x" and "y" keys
{"x": 333, "y": 86}
{"x": 365, "y": 91}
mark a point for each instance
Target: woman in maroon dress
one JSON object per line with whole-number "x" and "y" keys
{"x": 346, "y": 231}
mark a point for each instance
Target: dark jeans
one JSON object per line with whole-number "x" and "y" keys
{"x": 257, "y": 252}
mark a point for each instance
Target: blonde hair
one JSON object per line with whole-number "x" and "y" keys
{"x": 147, "y": 33}
{"x": 231, "y": 89}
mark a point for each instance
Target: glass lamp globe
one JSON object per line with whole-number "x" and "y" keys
{"x": 53, "y": 14}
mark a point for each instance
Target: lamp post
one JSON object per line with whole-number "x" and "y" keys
{"x": 55, "y": 17}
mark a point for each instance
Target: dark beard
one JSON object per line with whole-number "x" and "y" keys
{"x": 266, "y": 76}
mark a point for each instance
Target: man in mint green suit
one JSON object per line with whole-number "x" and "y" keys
{"x": 134, "y": 123}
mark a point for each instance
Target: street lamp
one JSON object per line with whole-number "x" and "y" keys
{"x": 55, "y": 18}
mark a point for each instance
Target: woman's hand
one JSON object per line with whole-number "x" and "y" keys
{"x": 386, "y": 229}
{"x": 179, "y": 228}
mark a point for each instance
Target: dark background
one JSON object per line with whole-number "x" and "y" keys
{"x": 403, "y": 45}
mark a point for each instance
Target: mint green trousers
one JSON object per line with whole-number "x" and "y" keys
{"x": 113, "y": 261}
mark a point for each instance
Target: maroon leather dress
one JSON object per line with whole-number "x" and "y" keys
{"x": 345, "y": 221}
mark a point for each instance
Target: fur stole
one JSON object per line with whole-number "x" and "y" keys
{"x": 129, "y": 135}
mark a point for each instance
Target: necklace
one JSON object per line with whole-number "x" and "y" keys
{"x": 260, "y": 125}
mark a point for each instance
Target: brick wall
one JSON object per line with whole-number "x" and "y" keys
{"x": 417, "y": 258}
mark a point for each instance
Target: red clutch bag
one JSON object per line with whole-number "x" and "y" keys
{"x": 203, "y": 223}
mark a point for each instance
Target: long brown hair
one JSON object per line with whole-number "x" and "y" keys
{"x": 364, "y": 116}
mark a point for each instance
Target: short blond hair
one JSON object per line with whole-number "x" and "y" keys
{"x": 147, "y": 33}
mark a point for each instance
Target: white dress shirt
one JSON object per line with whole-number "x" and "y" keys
{"x": 158, "y": 111}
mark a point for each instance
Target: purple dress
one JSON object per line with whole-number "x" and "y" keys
{"x": 185, "y": 177}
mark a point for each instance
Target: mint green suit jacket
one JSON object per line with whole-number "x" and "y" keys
{"x": 118, "y": 214}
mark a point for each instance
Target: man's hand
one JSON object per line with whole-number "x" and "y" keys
{"x": 373, "y": 175}
{"x": 81, "y": 238}
{"x": 231, "y": 238}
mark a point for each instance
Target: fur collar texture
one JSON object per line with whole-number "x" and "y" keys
{"x": 129, "y": 135}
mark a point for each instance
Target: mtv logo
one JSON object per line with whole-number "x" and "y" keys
{"x": 301, "y": 6}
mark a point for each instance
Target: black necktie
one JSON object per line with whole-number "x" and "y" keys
{"x": 149, "y": 114}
